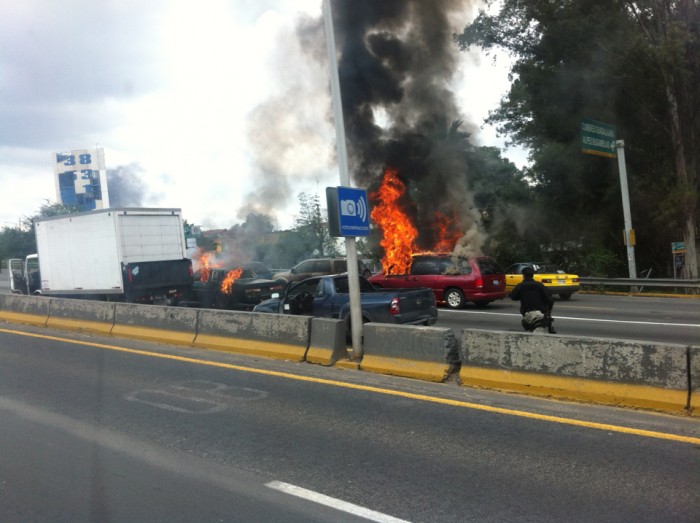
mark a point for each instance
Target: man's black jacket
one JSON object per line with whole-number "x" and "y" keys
{"x": 533, "y": 296}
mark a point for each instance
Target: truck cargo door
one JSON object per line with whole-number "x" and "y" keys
{"x": 18, "y": 282}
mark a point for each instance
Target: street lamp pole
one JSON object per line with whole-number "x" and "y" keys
{"x": 350, "y": 246}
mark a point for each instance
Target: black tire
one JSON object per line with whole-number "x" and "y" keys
{"x": 565, "y": 296}
{"x": 454, "y": 298}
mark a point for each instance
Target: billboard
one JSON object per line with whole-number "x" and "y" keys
{"x": 81, "y": 179}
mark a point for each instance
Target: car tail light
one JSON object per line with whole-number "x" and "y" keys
{"x": 129, "y": 276}
{"x": 479, "y": 283}
{"x": 546, "y": 280}
{"x": 394, "y": 306}
{"x": 575, "y": 280}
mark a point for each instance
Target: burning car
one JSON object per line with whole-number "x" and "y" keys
{"x": 236, "y": 288}
{"x": 454, "y": 281}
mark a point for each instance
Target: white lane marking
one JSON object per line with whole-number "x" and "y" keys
{"x": 556, "y": 316}
{"x": 337, "y": 504}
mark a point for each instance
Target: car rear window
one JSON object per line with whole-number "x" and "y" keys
{"x": 488, "y": 266}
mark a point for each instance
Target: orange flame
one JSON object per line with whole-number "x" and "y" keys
{"x": 447, "y": 234}
{"x": 204, "y": 262}
{"x": 231, "y": 277}
{"x": 398, "y": 232}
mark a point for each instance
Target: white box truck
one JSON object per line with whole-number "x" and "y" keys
{"x": 125, "y": 254}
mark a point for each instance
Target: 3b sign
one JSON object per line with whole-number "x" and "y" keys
{"x": 348, "y": 212}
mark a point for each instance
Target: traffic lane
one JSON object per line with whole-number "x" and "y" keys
{"x": 681, "y": 310}
{"x": 625, "y": 320}
{"x": 61, "y": 469}
{"x": 391, "y": 453}
{"x": 378, "y": 382}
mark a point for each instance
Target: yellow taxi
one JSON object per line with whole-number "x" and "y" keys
{"x": 555, "y": 279}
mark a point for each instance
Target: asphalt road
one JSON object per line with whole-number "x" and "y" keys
{"x": 101, "y": 429}
{"x": 657, "y": 319}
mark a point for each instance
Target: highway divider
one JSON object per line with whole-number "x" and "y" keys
{"x": 426, "y": 353}
{"x": 327, "y": 343}
{"x": 30, "y": 310}
{"x": 255, "y": 333}
{"x": 81, "y": 315}
{"x": 694, "y": 379}
{"x": 155, "y": 323}
{"x": 616, "y": 372}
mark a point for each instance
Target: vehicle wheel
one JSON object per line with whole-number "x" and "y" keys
{"x": 454, "y": 298}
{"x": 481, "y": 304}
{"x": 565, "y": 295}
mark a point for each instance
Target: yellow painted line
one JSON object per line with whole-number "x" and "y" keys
{"x": 388, "y": 392}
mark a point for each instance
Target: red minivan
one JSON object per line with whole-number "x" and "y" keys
{"x": 454, "y": 281}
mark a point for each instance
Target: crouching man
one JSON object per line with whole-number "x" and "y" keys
{"x": 536, "y": 302}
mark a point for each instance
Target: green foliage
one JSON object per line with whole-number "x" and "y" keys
{"x": 18, "y": 242}
{"x": 632, "y": 64}
{"x": 48, "y": 210}
{"x": 312, "y": 229}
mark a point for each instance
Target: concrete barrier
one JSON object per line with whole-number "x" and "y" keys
{"x": 694, "y": 377}
{"x": 259, "y": 334}
{"x": 155, "y": 323}
{"x": 327, "y": 344}
{"x": 30, "y": 310}
{"x": 81, "y": 315}
{"x": 617, "y": 372}
{"x": 427, "y": 353}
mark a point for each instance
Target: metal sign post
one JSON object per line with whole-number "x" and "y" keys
{"x": 598, "y": 138}
{"x": 350, "y": 246}
{"x": 629, "y": 232}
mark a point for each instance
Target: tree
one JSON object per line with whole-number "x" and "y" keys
{"x": 312, "y": 229}
{"x": 589, "y": 58}
{"x": 671, "y": 39}
{"x": 18, "y": 242}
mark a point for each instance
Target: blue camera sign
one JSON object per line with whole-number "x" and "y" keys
{"x": 348, "y": 211}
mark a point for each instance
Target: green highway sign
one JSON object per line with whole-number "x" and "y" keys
{"x": 598, "y": 138}
{"x": 677, "y": 247}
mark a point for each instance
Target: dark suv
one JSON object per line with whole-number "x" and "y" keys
{"x": 321, "y": 267}
{"x": 454, "y": 281}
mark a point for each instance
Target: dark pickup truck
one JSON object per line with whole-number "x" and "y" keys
{"x": 244, "y": 289}
{"x": 328, "y": 297}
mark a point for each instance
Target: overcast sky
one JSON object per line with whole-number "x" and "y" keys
{"x": 181, "y": 96}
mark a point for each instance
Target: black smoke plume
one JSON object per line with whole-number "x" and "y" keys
{"x": 397, "y": 62}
